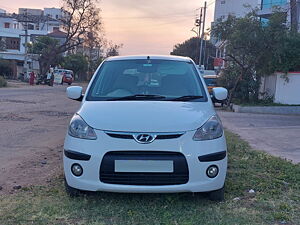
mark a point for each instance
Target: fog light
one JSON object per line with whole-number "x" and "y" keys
{"x": 212, "y": 171}
{"x": 76, "y": 170}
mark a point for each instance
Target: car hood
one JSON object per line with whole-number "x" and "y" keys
{"x": 146, "y": 116}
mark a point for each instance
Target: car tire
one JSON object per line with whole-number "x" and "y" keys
{"x": 217, "y": 195}
{"x": 72, "y": 192}
{"x": 69, "y": 83}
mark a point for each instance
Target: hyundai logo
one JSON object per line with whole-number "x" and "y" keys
{"x": 144, "y": 138}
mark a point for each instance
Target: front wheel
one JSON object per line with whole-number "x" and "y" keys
{"x": 217, "y": 195}
{"x": 72, "y": 192}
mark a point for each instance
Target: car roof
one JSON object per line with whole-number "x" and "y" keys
{"x": 209, "y": 72}
{"x": 162, "y": 57}
{"x": 210, "y": 76}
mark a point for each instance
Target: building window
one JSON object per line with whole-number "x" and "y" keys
{"x": 30, "y": 27}
{"x": 223, "y": 2}
{"x": 266, "y": 4}
{"x": 56, "y": 16}
{"x": 6, "y": 25}
{"x": 55, "y": 28}
{"x": 13, "y": 43}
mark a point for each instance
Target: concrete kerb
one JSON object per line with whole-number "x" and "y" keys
{"x": 283, "y": 110}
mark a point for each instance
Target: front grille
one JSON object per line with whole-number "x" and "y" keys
{"x": 180, "y": 174}
{"x": 160, "y": 136}
{"x": 123, "y": 136}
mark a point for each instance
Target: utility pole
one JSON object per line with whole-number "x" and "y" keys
{"x": 202, "y": 35}
{"x": 26, "y": 41}
{"x": 204, "y": 54}
{"x": 198, "y": 23}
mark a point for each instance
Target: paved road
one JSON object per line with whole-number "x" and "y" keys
{"x": 33, "y": 123}
{"x": 278, "y": 135}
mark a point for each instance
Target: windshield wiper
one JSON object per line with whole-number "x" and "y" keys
{"x": 187, "y": 98}
{"x": 137, "y": 97}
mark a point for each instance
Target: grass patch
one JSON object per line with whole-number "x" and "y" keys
{"x": 276, "y": 199}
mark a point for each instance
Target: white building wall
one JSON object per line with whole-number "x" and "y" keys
{"x": 288, "y": 92}
{"x": 36, "y": 12}
{"x": 234, "y": 7}
{"x": 17, "y": 33}
{"x": 9, "y": 20}
{"x": 54, "y": 13}
{"x": 268, "y": 86}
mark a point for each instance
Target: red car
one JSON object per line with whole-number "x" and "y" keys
{"x": 68, "y": 77}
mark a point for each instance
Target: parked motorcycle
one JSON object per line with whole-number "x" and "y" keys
{"x": 43, "y": 80}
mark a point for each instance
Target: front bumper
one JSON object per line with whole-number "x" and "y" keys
{"x": 192, "y": 151}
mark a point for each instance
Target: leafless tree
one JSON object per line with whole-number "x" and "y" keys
{"x": 79, "y": 18}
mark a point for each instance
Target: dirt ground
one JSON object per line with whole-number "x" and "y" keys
{"x": 33, "y": 123}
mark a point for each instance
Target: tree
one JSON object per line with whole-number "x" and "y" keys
{"x": 2, "y": 45}
{"x": 79, "y": 17}
{"x": 254, "y": 50}
{"x": 43, "y": 46}
{"x": 5, "y": 68}
{"x": 78, "y": 63}
{"x": 244, "y": 44}
{"x": 113, "y": 49}
{"x": 190, "y": 48}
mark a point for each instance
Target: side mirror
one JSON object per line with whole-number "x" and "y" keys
{"x": 220, "y": 93}
{"x": 75, "y": 93}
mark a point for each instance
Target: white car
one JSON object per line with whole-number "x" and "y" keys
{"x": 146, "y": 125}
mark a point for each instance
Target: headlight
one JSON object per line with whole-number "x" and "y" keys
{"x": 212, "y": 129}
{"x": 79, "y": 129}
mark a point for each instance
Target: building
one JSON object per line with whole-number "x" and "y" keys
{"x": 33, "y": 12}
{"x": 53, "y": 13}
{"x": 237, "y": 8}
{"x": 265, "y": 8}
{"x": 269, "y": 6}
{"x": 13, "y": 34}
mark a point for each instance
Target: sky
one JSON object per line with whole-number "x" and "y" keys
{"x": 143, "y": 27}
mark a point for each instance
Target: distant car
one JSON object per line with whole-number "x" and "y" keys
{"x": 68, "y": 77}
{"x": 63, "y": 76}
{"x": 146, "y": 124}
{"x": 211, "y": 83}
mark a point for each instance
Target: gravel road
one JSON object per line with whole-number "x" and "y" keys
{"x": 33, "y": 122}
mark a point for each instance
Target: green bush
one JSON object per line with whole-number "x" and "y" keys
{"x": 3, "y": 82}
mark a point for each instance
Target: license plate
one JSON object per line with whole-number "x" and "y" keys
{"x": 144, "y": 166}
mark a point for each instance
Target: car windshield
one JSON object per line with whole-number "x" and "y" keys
{"x": 210, "y": 81}
{"x": 140, "y": 79}
{"x": 68, "y": 74}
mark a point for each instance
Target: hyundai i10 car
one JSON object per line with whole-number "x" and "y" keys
{"x": 146, "y": 124}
